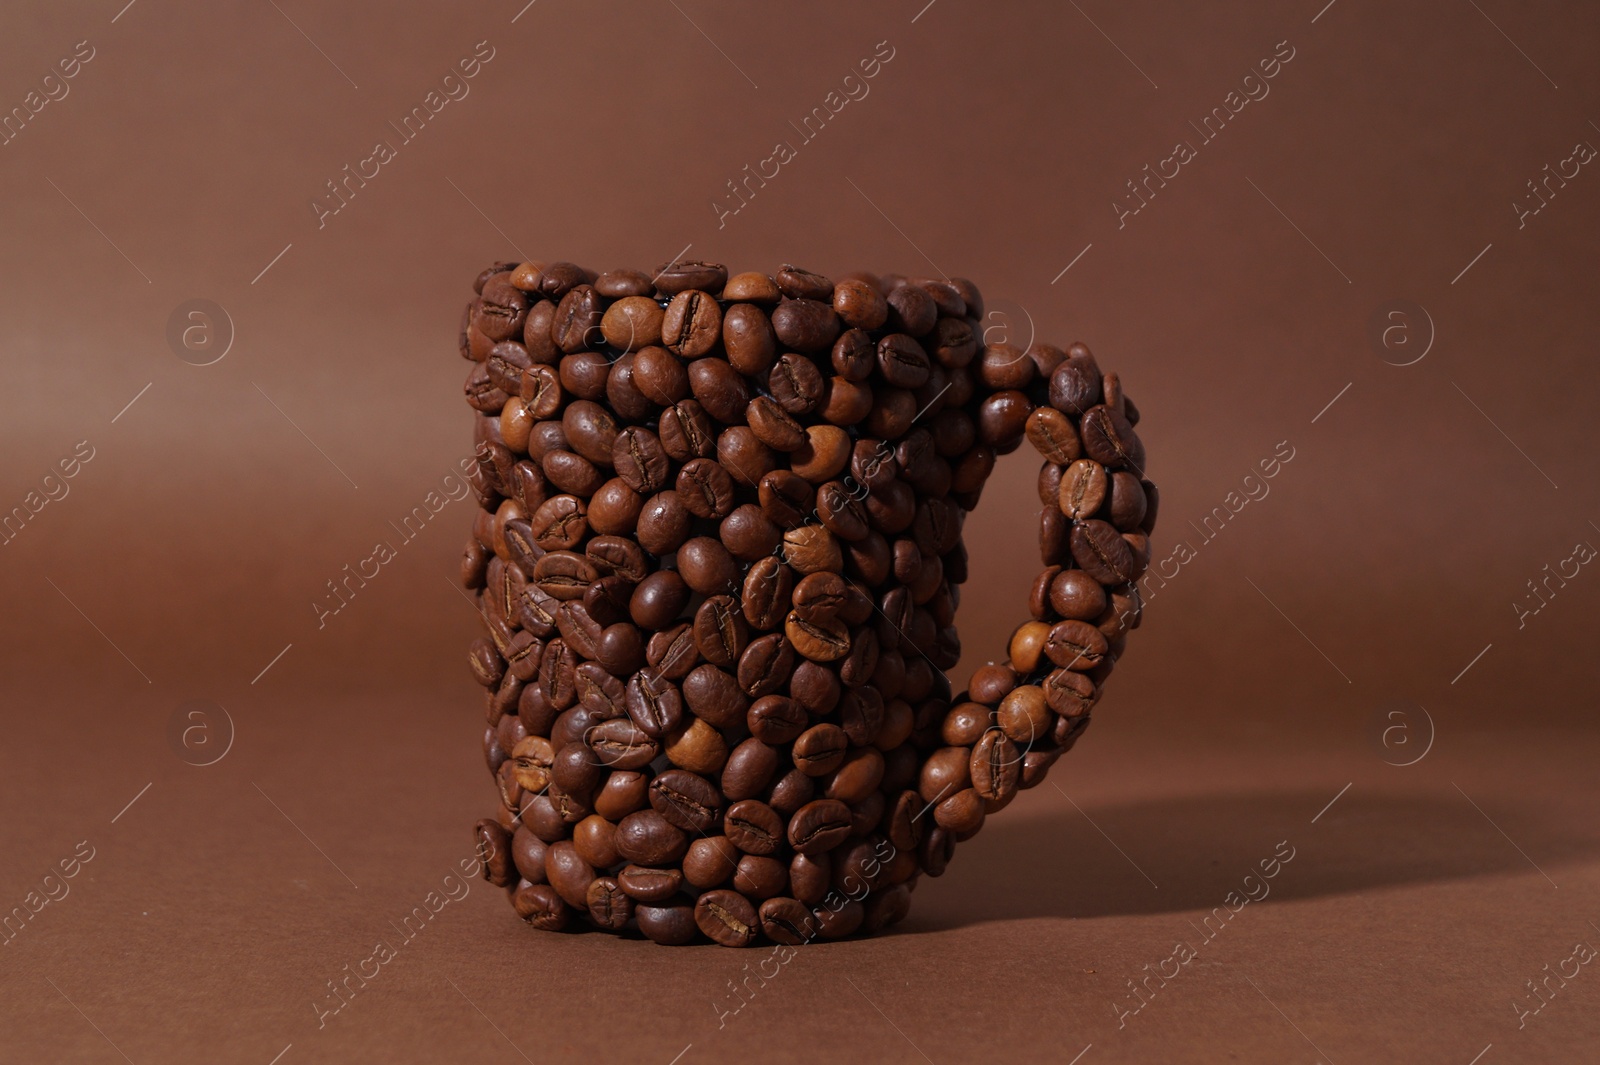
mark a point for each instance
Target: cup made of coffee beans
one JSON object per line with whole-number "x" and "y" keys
{"x": 718, "y": 556}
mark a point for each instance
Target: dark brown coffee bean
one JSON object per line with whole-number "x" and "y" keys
{"x": 559, "y": 524}
{"x": 692, "y": 324}
{"x": 576, "y": 325}
{"x": 820, "y": 749}
{"x": 540, "y": 391}
{"x": 715, "y": 697}
{"x": 658, "y": 600}
{"x": 786, "y": 498}
{"x": 796, "y": 384}
{"x": 608, "y": 906}
{"x": 564, "y": 575}
{"x": 819, "y": 826}
{"x": 815, "y": 687}
{"x": 706, "y": 566}
{"x": 1052, "y": 435}
{"x": 686, "y": 799}
{"x": 748, "y": 339}
{"x": 773, "y": 425}
{"x": 995, "y": 767}
{"x": 1075, "y": 594}
{"x": 748, "y": 535}
{"x": 1075, "y": 645}
{"x": 576, "y": 771}
{"x": 1101, "y": 551}
{"x": 660, "y": 376}
{"x": 645, "y": 837}
{"x": 654, "y": 704}
{"x": 683, "y": 274}
{"x": 1083, "y": 488}
{"x": 501, "y": 371}
{"x": 542, "y": 907}
{"x": 617, "y": 284}
{"x": 1002, "y": 419}
{"x": 668, "y": 925}
{"x": 766, "y": 665}
{"x": 775, "y": 719}
{"x": 600, "y": 691}
{"x": 1069, "y": 694}
{"x": 623, "y": 395}
{"x": 859, "y": 305}
{"x": 753, "y": 827}
{"x": 568, "y": 873}
{"x": 727, "y": 918}
{"x": 720, "y": 389}
{"x": 672, "y": 652}
{"x": 663, "y": 523}
{"x": 1075, "y": 385}
{"x": 811, "y": 549}
{"x": 805, "y": 324}
{"x": 705, "y": 488}
{"x": 591, "y": 431}
{"x": 911, "y": 310}
{"x": 842, "y": 512}
{"x": 617, "y": 555}
{"x": 649, "y": 885}
{"x": 902, "y": 361}
{"x": 720, "y": 631}
{"x": 751, "y": 766}
{"x": 711, "y": 861}
{"x": 614, "y": 508}
{"x": 578, "y": 630}
{"x": 1055, "y": 532}
{"x": 1111, "y": 441}
{"x": 571, "y": 472}
{"x": 861, "y": 711}
{"x": 686, "y": 431}
{"x": 1127, "y": 501}
{"x": 620, "y": 744}
{"x": 501, "y": 309}
{"x": 788, "y": 921}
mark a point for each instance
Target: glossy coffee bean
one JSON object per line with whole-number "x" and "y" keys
{"x": 726, "y": 917}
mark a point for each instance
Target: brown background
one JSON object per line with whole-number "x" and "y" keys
{"x": 1387, "y": 555}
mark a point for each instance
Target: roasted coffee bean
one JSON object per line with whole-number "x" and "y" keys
{"x": 786, "y": 498}
{"x": 812, "y": 549}
{"x": 799, "y": 284}
{"x": 576, "y": 325}
{"x": 687, "y": 800}
{"x": 902, "y": 361}
{"x": 1075, "y": 594}
{"x": 775, "y": 719}
{"x": 1004, "y": 366}
{"x": 748, "y": 534}
{"x": 911, "y": 310}
{"x": 795, "y": 383}
{"x": 599, "y": 691}
{"x": 660, "y": 376}
{"x": 571, "y": 472}
{"x": 668, "y": 925}
{"x": 617, "y": 555}
{"x": 1068, "y": 693}
{"x": 1127, "y": 501}
{"x": 578, "y": 629}
{"x": 559, "y": 524}
{"x": 608, "y": 906}
{"x": 1075, "y": 385}
{"x": 620, "y": 744}
{"x": 692, "y": 324}
{"x": 744, "y": 456}
{"x": 1055, "y": 535}
{"x": 654, "y": 704}
{"x": 720, "y": 631}
{"x": 821, "y": 640}
{"x": 995, "y": 767}
{"x": 711, "y": 860}
{"x": 720, "y": 389}
{"x": 815, "y": 687}
{"x": 672, "y": 653}
{"x": 616, "y": 284}
{"x": 568, "y": 873}
{"x": 1083, "y": 489}
{"x": 591, "y": 431}
{"x": 805, "y": 324}
{"x": 664, "y": 523}
{"x": 1024, "y": 714}
{"x": 748, "y": 339}
{"x": 1101, "y": 551}
{"x": 788, "y": 921}
{"x": 727, "y": 918}
{"x": 541, "y": 906}
{"x": 714, "y": 696}
{"x": 501, "y": 309}
{"x": 705, "y": 488}
{"x": 961, "y": 814}
{"x": 686, "y": 431}
{"x": 631, "y": 323}
{"x": 819, "y": 826}
{"x": 861, "y": 713}
{"x": 683, "y": 274}
{"x": 706, "y": 566}
{"x": 645, "y": 837}
{"x": 658, "y": 600}
{"x": 846, "y": 402}
{"x": 820, "y": 749}
{"x": 766, "y": 665}
{"x": 1052, "y": 435}
{"x": 565, "y": 575}
{"x": 540, "y": 391}
{"x": 1111, "y": 441}
{"x": 1075, "y": 645}
{"x": 773, "y": 425}
{"x": 750, "y": 768}
{"x": 614, "y": 508}
{"x": 753, "y": 827}
{"x": 751, "y": 287}
{"x": 649, "y": 885}
{"x": 841, "y": 512}
{"x": 859, "y": 305}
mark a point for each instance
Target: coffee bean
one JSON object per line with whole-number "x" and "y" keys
{"x": 697, "y": 747}
{"x": 620, "y": 744}
{"x": 649, "y": 885}
{"x": 820, "y": 749}
{"x": 686, "y": 431}
{"x": 683, "y": 274}
{"x": 645, "y": 837}
{"x": 720, "y": 389}
{"x": 822, "y": 640}
{"x": 692, "y": 324}
{"x": 1102, "y": 552}
{"x": 995, "y": 767}
{"x": 795, "y": 383}
{"x": 654, "y": 704}
{"x": 766, "y": 665}
{"x": 501, "y": 309}
{"x": 596, "y": 841}
{"x": 687, "y": 800}
{"x": 750, "y": 768}
{"x": 541, "y": 906}
{"x": 720, "y": 631}
{"x": 726, "y": 917}
{"x": 640, "y": 459}
{"x": 1075, "y": 385}
{"x": 1083, "y": 489}
{"x": 614, "y": 508}
{"x": 748, "y": 535}
{"x": 1024, "y": 715}
{"x": 1052, "y": 435}
{"x": 660, "y": 376}
{"x": 564, "y": 575}
{"x": 631, "y": 323}
{"x": 568, "y": 873}
{"x": 1111, "y": 441}
{"x": 805, "y": 324}
{"x": 1127, "y": 501}
{"x": 1075, "y": 594}
{"x": 1075, "y": 645}
{"x": 706, "y": 566}
{"x": 658, "y": 600}
{"x": 788, "y": 921}
{"x": 571, "y": 472}
{"x": 591, "y": 431}
{"x": 663, "y": 523}
{"x": 753, "y": 827}
{"x": 859, "y": 305}
{"x": 608, "y": 906}
{"x": 576, "y": 325}
{"x": 752, "y": 288}
{"x": 705, "y": 488}
{"x": 748, "y": 339}
{"x": 711, "y": 860}
{"x": 902, "y": 361}
{"x": 773, "y": 425}
{"x": 961, "y": 814}
{"x": 539, "y": 388}
{"x": 786, "y": 498}
{"x": 559, "y": 524}
{"x": 672, "y": 653}
{"x": 775, "y": 719}
{"x": 670, "y": 925}
{"x": 911, "y": 310}
{"x": 617, "y": 284}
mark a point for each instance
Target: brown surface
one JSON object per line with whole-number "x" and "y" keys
{"x": 207, "y": 924}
